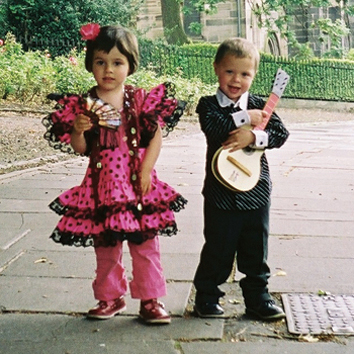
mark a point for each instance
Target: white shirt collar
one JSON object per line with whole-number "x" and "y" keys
{"x": 224, "y": 101}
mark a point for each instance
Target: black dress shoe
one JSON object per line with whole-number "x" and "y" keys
{"x": 267, "y": 310}
{"x": 208, "y": 310}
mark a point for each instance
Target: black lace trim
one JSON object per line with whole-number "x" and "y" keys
{"x": 55, "y": 126}
{"x": 110, "y": 238}
{"x": 176, "y": 205}
{"x": 51, "y": 136}
{"x": 172, "y": 121}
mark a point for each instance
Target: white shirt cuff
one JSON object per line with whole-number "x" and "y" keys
{"x": 241, "y": 118}
{"x": 261, "y": 141}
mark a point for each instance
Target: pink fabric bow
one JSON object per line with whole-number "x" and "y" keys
{"x": 90, "y": 31}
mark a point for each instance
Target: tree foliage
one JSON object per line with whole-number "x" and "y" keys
{"x": 207, "y": 6}
{"x": 55, "y": 24}
{"x": 278, "y": 15}
{"x": 287, "y": 13}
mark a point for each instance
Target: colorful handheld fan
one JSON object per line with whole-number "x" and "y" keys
{"x": 102, "y": 113}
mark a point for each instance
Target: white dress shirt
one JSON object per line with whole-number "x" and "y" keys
{"x": 242, "y": 118}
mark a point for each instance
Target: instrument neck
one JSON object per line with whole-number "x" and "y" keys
{"x": 269, "y": 107}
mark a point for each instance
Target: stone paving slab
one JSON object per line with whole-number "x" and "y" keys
{"x": 39, "y": 221}
{"x": 325, "y": 196}
{"x": 288, "y": 225}
{"x": 54, "y": 264}
{"x": 334, "y": 275}
{"x": 310, "y": 264}
{"x": 57, "y": 334}
{"x": 300, "y": 206}
{"x": 38, "y": 275}
{"x": 322, "y": 177}
{"x": 40, "y": 294}
{"x": 73, "y": 295}
{"x": 273, "y": 347}
{"x": 41, "y": 185}
{"x": 301, "y": 180}
{"x": 25, "y": 206}
{"x": 79, "y": 346}
{"x": 321, "y": 215}
{"x": 188, "y": 241}
{"x": 12, "y": 233}
{"x": 25, "y": 193}
{"x": 323, "y": 160}
{"x": 118, "y": 329}
{"x": 82, "y": 264}
{"x": 310, "y": 247}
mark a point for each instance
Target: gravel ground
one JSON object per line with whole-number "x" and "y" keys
{"x": 22, "y": 144}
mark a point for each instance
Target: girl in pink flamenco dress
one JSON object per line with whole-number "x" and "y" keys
{"x": 120, "y": 198}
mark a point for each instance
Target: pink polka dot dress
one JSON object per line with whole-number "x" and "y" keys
{"x": 108, "y": 205}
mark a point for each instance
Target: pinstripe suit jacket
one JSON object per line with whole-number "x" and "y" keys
{"x": 216, "y": 123}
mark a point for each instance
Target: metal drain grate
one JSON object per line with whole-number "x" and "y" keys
{"x": 310, "y": 313}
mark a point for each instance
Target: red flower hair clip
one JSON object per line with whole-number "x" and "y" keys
{"x": 90, "y": 31}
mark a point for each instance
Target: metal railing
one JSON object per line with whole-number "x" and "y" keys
{"x": 331, "y": 80}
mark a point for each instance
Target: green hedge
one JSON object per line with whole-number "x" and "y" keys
{"x": 318, "y": 79}
{"x": 30, "y": 76}
{"x": 190, "y": 61}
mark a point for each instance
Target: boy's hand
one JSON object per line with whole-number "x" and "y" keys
{"x": 256, "y": 116}
{"x": 239, "y": 139}
{"x": 82, "y": 123}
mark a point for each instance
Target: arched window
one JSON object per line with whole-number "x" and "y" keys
{"x": 273, "y": 45}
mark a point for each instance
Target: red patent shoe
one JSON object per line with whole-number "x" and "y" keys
{"x": 105, "y": 310}
{"x": 153, "y": 311}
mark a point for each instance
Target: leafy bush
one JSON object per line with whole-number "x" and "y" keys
{"x": 71, "y": 75}
{"x": 31, "y": 76}
{"x": 187, "y": 90}
{"x": 25, "y": 76}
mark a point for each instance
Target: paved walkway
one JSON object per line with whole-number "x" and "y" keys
{"x": 46, "y": 288}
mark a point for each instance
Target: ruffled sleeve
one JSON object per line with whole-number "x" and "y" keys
{"x": 59, "y": 124}
{"x": 161, "y": 106}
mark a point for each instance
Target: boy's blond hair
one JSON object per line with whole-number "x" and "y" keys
{"x": 240, "y": 48}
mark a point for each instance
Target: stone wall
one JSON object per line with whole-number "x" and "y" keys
{"x": 233, "y": 18}
{"x": 149, "y": 21}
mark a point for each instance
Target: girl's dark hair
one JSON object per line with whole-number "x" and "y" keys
{"x": 240, "y": 48}
{"x": 109, "y": 37}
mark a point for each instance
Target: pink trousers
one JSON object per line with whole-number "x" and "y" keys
{"x": 148, "y": 281}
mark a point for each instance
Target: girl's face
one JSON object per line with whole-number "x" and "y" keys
{"x": 235, "y": 75}
{"x": 110, "y": 69}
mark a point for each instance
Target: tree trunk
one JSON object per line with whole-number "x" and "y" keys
{"x": 172, "y": 23}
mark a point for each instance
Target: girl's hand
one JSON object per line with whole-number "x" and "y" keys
{"x": 145, "y": 179}
{"x": 82, "y": 123}
{"x": 150, "y": 158}
{"x": 239, "y": 139}
{"x": 78, "y": 141}
{"x": 256, "y": 116}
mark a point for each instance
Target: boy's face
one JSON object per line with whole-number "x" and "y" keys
{"x": 235, "y": 75}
